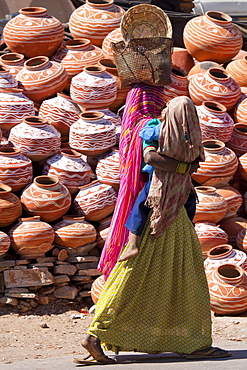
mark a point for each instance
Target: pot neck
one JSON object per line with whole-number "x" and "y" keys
{"x": 220, "y": 252}
{"x": 92, "y": 117}
{"x": 213, "y": 146}
{"x": 94, "y": 70}
{"x": 231, "y": 274}
{"x": 214, "y": 107}
{"x": 35, "y": 121}
{"x": 46, "y": 182}
{"x": 9, "y": 152}
{"x": 37, "y": 63}
{"x": 12, "y": 59}
{"x": 219, "y": 18}
{"x": 5, "y": 190}
{"x": 69, "y": 219}
{"x": 205, "y": 190}
{"x": 78, "y": 44}
{"x": 33, "y": 11}
{"x": 240, "y": 128}
{"x": 99, "y": 4}
{"x": 218, "y": 74}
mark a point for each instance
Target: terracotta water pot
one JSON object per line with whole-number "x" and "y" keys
{"x": 238, "y": 140}
{"x": 7, "y": 80}
{"x": 222, "y": 254}
{"x": 14, "y": 106}
{"x": 102, "y": 231}
{"x": 182, "y": 59}
{"x": 46, "y": 197}
{"x": 31, "y": 238}
{"x": 10, "y": 206}
{"x": 13, "y": 61}
{"x": 74, "y": 232}
{"x": 97, "y": 287}
{"x": 215, "y": 84}
{"x": 4, "y": 244}
{"x": 95, "y": 19}
{"x": 215, "y": 122}
{"x": 240, "y": 113}
{"x": 237, "y": 69}
{"x": 209, "y": 236}
{"x": 234, "y": 200}
{"x": 242, "y": 168}
{"x": 33, "y": 32}
{"x": 16, "y": 169}
{"x": 232, "y": 227}
{"x": 179, "y": 85}
{"x": 241, "y": 240}
{"x": 107, "y": 169}
{"x": 212, "y": 36}
{"x": 113, "y": 36}
{"x": 35, "y": 138}
{"x": 202, "y": 67}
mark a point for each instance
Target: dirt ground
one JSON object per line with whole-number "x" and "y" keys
{"x": 57, "y": 329}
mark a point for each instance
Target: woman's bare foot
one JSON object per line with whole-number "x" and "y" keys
{"x": 92, "y": 345}
{"x": 131, "y": 252}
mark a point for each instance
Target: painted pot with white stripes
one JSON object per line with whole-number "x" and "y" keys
{"x": 31, "y": 238}
{"x": 219, "y": 166}
{"x": 232, "y": 226}
{"x": 209, "y": 236}
{"x": 92, "y": 134}
{"x": 215, "y": 84}
{"x": 102, "y": 231}
{"x": 16, "y": 169}
{"x": 238, "y": 140}
{"x": 234, "y": 200}
{"x": 215, "y": 122}
{"x": 4, "y": 243}
{"x": 69, "y": 167}
{"x": 113, "y": 36}
{"x": 95, "y": 19}
{"x": 46, "y": 197}
{"x": 107, "y": 169}
{"x": 14, "y": 106}
{"x": 93, "y": 88}
{"x": 179, "y": 85}
{"x": 74, "y": 232}
{"x": 13, "y": 61}
{"x": 35, "y": 138}
{"x": 225, "y": 253}
{"x": 33, "y": 32}
{"x": 97, "y": 287}
{"x": 211, "y": 206}
{"x": 242, "y": 168}
{"x": 10, "y": 206}
{"x": 7, "y": 80}
{"x": 240, "y": 113}
{"x": 94, "y": 201}
{"x": 241, "y": 240}
{"x": 41, "y": 78}
{"x": 62, "y": 112}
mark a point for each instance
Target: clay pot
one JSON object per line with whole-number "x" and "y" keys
{"x": 222, "y": 254}
{"x": 7, "y": 80}
{"x": 35, "y": 138}
{"x": 215, "y": 84}
{"x": 16, "y": 169}
{"x": 211, "y": 206}
{"x": 83, "y": 24}
{"x": 179, "y": 85}
{"x": 93, "y": 88}
{"x": 237, "y": 69}
{"x": 33, "y": 32}
{"x": 97, "y": 287}
{"x": 228, "y": 289}
{"x": 209, "y": 236}
{"x": 219, "y": 166}
{"x": 46, "y": 197}
{"x": 94, "y": 201}
{"x": 234, "y": 200}
{"x": 75, "y": 55}
{"x": 242, "y": 168}
{"x": 102, "y": 231}
{"x": 13, "y": 61}
{"x": 10, "y": 206}
{"x": 31, "y": 237}
{"x": 107, "y": 169}
{"x": 202, "y": 67}
{"x": 61, "y": 112}
{"x": 4, "y": 244}
{"x": 182, "y": 59}
{"x": 14, "y": 106}
{"x": 74, "y": 232}
{"x": 113, "y": 36}
{"x": 240, "y": 113}
{"x": 69, "y": 167}
{"x": 92, "y": 134}
{"x": 215, "y": 122}
{"x": 232, "y": 227}
{"x": 212, "y": 36}
{"x": 41, "y": 78}
{"x": 238, "y": 140}
{"x": 241, "y": 240}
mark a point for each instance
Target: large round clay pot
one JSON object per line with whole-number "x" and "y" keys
{"x": 209, "y": 235}
{"x": 97, "y": 287}
{"x": 179, "y": 85}
{"x": 7, "y": 80}
{"x": 74, "y": 232}
{"x": 15, "y": 168}
{"x": 35, "y": 138}
{"x": 61, "y": 112}
{"x": 102, "y": 231}
{"x": 202, "y": 67}
{"x": 107, "y": 169}
{"x": 215, "y": 122}
{"x": 228, "y": 289}
{"x": 211, "y": 206}
{"x": 113, "y": 36}
{"x": 69, "y": 167}
{"x": 240, "y": 113}
{"x": 242, "y": 168}
{"x": 13, "y": 61}
{"x": 222, "y": 254}
{"x": 10, "y": 206}
{"x": 238, "y": 140}
{"x": 95, "y": 19}
{"x": 14, "y": 106}
{"x": 212, "y": 36}
{"x": 216, "y": 85}
{"x": 93, "y": 88}
{"x": 241, "y": 240}
{"x": 41, "y": 78}
{"x": 219, "y": 166}
{"x": 4, "y": 244}
{"x": 46, "y": 197}
{"x": 92, "y": 134}
{"x": 77, "y": 54}
{"x": 182, "y": 59}
{"x": 31, "y": 238}
{"x": 33, "y": 32}
{"x": 237, "y": 69}
{"x": 234, "y": 200}
{"x": 94, "y": 201}
{"x": 232, "y": 227}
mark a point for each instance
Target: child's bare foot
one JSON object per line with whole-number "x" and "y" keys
{"x": 92, "y": 345}
{"x": 131, "y": 252}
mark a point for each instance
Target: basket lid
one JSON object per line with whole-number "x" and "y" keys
{"x": 145, "y": 20}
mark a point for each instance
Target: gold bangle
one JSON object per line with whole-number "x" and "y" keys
{"x": 181, "y": 167}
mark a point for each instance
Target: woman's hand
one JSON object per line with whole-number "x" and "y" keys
{"x": 194, "y": 165}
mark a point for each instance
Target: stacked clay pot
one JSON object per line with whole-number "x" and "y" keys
{"x": 14, "y": 106}
{"x": 181, "y": 58}
{"x": 82, "y": 22}
{"x": 13, "y": 61}
{"x": 61, "y": 112}
{"x": 242, "y": 168}
{"x": 237, "y": 69}
{"x": 209, "y": 236}
{"x": 35, "y": 138}
{"x": 179, "y": 85}
{"x": 33, "y": 32}
{"x": 10, "y": 206}
{"x": 240, "y": 114}
{"x": 107, "y": 169}
{"x": 97, "y": 287}
{"x": 41, "y": 78}
{"x": 113, "y": 36}
{"x": 46, "y": 197}
{"x": 234, "y": 200}
{"x": 238, "y": 142}
{"x": 241, "y": 240}
{"x": 232, "y": 227}
{"x": 7, "y": 80}
{"x": 94, "y": 201}
{"x": 4, "y": 244}
{"x": 202, "y": 67}
{"x": 16, "y": 169}
{"x": 31, "y": 238}
{"x": 222, "y": 254}
{"x": 74, "y": 232}
{"x": 212, "y": 36}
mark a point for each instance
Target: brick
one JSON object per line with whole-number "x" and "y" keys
{"x": 66, "y": 292}
{"x": 65, "y": 269}
{"x": 21, "y": 267}
{"x": 7, "y": 263}
{"x": 90, "y": 272}
{"x": 27, "y": 278}
{"x": 86, "y": 265}
{"x": 61, "y": 279}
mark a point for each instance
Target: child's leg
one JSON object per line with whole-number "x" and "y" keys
{"x": 132, "y": 250}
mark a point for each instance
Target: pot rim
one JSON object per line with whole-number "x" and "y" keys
{"x": 209, "y": 14}
{"x": 33, "y": 10}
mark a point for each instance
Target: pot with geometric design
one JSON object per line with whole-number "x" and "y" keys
{"x": 10, "y": 206}
{"x": 13, "y": 61}
{"x": 225, "y": 253}
{"x": 209, "y": 236}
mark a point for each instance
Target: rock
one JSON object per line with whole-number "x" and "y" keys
{"x": 81, "y": 250}
{"x": 82, "y": 279}
{"x": 61, "y": 279}
{"x": 1, "y": 283}
{"x": 21, "y": 267}
{"x": 76, "y": 259}
{"x": 62, "y": 255}
{"x": 65, "y": 269}
{"x": 46, "y": 259}
{"x": 20, "y": 295}
{"x": 44, "y": 264}
{"x": 66, "y": 292}
{"x": 44, "y": 300}
{"x": 86, "y": 265}
{"x": 8, "y": 300}
{"x": 22, "y": 262}
{"x": 90, "y": 272}
{"x": 27, "y": 278}
{"x": 44, "y": 325}
{"x": 7, "y": 263}
{"x": 85, "y": 293}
